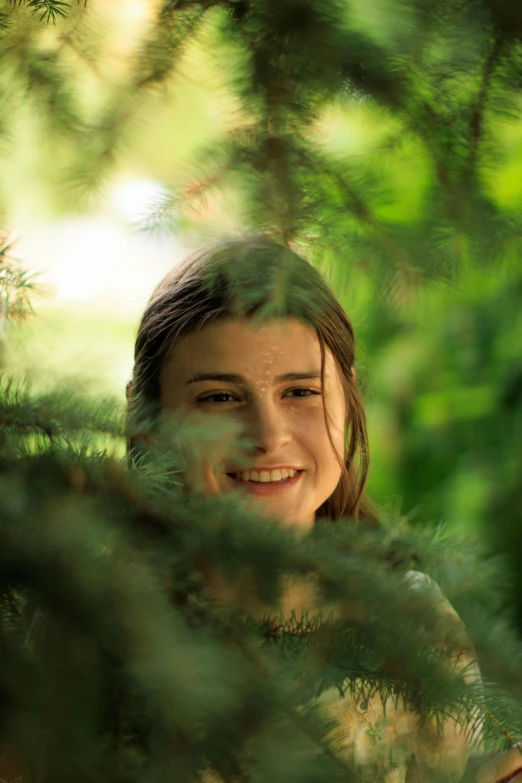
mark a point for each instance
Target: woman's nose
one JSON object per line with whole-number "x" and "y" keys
{"x": 267, "y": 428}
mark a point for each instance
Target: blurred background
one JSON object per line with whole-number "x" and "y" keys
{"x": 439, "y": 340}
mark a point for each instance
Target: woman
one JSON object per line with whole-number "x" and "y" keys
{"x": 248, "y": 333}
{"x": 229, "y": 286}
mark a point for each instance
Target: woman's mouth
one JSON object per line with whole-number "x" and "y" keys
{"x": 263, "y": 482}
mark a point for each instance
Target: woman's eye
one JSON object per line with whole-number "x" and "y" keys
{"x": 217, "y": 397}
{"x": 304, "y": 392}
{"x": 221, "y": 398}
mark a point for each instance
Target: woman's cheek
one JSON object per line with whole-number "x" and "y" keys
{"x": 207, "y": 457}
{"x": 200, "y": 476}
{"x": 210, "y": 471}
{"x": 211, "y": 481}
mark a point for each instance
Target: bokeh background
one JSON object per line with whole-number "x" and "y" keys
{"x": 440, "y": 356}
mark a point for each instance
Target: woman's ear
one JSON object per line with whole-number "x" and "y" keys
{"x": 128, "y": 389}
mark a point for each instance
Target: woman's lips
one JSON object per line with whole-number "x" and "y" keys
{"x": 268, "y": 487}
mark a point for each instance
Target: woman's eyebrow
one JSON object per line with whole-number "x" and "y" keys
{"x": 233, "y": 378}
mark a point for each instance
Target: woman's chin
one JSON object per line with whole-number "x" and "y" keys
{"x": 291, "y": 517}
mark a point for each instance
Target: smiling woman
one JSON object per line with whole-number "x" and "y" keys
{"x": 248, "y": 334}
{"x": 250, "y": 330}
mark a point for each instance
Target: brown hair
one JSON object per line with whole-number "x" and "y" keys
{"x": 253, "y": 277}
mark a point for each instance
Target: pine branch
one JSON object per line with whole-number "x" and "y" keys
{"x": 4, "y": 22}
{"x": 100, "y": 541}
{"x": 57, "y": 413}
{"x": 477, "y": 118}
{"x": 16, "y": 287}
{"x": 266, "y": 675}
{"x": 51, "y": 9}
{"x": 499, "y": 726}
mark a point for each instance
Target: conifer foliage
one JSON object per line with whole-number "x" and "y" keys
{"x": 119, "y": 662}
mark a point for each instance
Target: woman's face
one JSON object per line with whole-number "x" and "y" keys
{"x": 267, "y": 379}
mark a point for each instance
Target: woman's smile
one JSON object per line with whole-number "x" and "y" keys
{"x": 264, "y": 482}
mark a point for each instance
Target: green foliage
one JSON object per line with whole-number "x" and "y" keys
{"x": 56, "y": 416}
{"x": 15, "y": 287}
{"x": 50, "y": 9}
{"x": 118, "y": 661}
{"x": 135, "y": 670}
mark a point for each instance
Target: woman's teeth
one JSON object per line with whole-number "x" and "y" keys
{"x": 265, "y": 476}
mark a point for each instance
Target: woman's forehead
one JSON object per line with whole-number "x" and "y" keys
{"x": 244, "y": 347}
